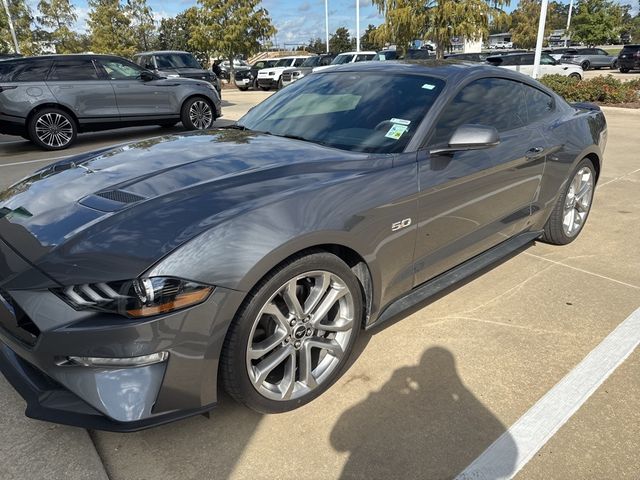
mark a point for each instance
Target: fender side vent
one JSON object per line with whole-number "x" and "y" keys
{"x": 120, "y": 196}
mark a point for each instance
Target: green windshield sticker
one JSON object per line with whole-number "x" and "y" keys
{"x": 428, "y": 86}
{"x": 401, "y": 121}
{"x": 396, "y": 131}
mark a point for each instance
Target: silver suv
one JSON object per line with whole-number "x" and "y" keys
{"x": 50, "y": 99}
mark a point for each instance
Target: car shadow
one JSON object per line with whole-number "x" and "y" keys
{"x": 424, "y": 423}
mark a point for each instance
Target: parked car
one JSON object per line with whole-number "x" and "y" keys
{"x": 238, "y": 66}
{"x": 523, "y": 63}
{"x": 175, "y": 64}
{"x": 468, "y": 57}
{"x": 501, "y": 45}
{"x": 349, "y": 57}
{"x": 290, "y": 75}
{"x": 556, "y": 53}
{"x": 269, "y": 78}
{"x": 137, "y": 281}
{"x": 590, "y": 58}
{"x": 629, "y": 58}
{"x": 50, "y": 99}
{"x": 245, "y": 79}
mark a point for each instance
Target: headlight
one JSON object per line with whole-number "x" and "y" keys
{"x": 142, "y": 297}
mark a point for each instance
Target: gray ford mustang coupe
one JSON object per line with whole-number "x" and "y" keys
{"x": 136, "y": 281}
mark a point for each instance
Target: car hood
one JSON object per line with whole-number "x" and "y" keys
{"x": 265, "y": 71}
{"x": 186, "y": 72}
{"x": 111, "y": 214}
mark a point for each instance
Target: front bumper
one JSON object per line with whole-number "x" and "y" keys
{"x": 267, "y": 82}
{"x": 38, "y": 331}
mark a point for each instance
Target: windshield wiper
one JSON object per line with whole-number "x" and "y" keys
{"x": 286, "y": 135}
{"x": 235, "y": 126}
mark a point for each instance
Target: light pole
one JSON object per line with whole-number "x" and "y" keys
{"x": 326, "y": 22}
{"x": 357, "y": 25}
{"x": 13, "y": 32}
{"x": 566, "y": 32}
{"x": 538, "y": 54}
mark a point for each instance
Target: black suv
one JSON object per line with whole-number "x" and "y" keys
{"x": 629, "y": 58}
{"x": 249, "y": 78}
{"x": 50, "y": 99}
{"x": 174, "y": 63}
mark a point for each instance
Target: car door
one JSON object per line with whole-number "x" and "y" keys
{"x": 135, "y": 97}
{"x": 472, "y": 200}
{"x": 76, "y": 84}
{"x": 602, "y": 58}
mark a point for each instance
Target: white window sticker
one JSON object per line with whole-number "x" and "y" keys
{"x": 396, "y": 131}
{"x": 400, "y": 121}
{"x": 428, "y": 86}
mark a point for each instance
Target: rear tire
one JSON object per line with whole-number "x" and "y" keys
{"x": 573, "y": 206}
{"x": 624, "y": 70}
{"x": 243, "y": 89}
{"x": 52, "y": 129}
{"x": 279, "y": 87}
{"x": 266, "y": 89}
{"x": 197, "y": 114}
{"x": 585, "y": 65}
{"x": 278, "y": 355}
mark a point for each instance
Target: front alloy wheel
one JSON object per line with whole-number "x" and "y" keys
{"x": 292, "y": 340}
{"x": 197, "y": 114}
{"x": 52, "y": 129}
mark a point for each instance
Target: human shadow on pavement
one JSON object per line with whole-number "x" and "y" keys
{"x": 423, "y": 423}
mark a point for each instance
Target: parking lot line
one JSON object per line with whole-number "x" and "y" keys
{"x": 534, "y": 429}
{"x": 34, "y": 161}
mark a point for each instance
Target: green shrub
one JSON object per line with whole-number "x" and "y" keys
{"x": 605, "y": 90}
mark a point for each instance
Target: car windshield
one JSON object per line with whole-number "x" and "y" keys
{"x": 340, "y": 59}
{"x": 355, "y": 111}
{"x": 283, "y": 62}
{"x": 177, "y": 60}
{"x": 311, "y": 62}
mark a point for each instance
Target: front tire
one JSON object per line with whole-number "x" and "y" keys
{"x": 585, "y": 65}
{"x": 572, "y": 207}
{"x": 197, "y": 114}
{"x": 624, "y": 70}
{"x": 52, "y": 129}
{"x": 291, "y": 339}
{"x": 575, "y": 75}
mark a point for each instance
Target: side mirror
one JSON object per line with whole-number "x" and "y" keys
{"x": 146, "y": 76}
{"x": 470, "y": 137}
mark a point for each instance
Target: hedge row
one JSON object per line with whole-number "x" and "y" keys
{"x": 604, "y": 90}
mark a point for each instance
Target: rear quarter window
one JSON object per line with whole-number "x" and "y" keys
{"x": 31, "y": 71}
{"x": 539, "y": 104}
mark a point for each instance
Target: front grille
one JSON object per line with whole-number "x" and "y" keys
{"x": 16, "y": 321}
{"x": 120, "y": 196}
{"x": 286, "y": 77}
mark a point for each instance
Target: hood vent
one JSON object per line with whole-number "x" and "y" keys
{"x": 120, "y": 196}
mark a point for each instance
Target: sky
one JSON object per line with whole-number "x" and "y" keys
{"x": 297, "y": 21}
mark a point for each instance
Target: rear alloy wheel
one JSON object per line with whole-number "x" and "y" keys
{"x": 291, "y": 341}
{"x": 197, "y": 114}
{"x": 52, "y": 129}
{"x": 585, "y": 65}
{"x": 572, "y": 207}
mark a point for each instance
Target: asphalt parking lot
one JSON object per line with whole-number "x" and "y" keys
{"x": 426, "y": 395}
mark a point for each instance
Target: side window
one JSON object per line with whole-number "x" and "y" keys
{"x": 73, "y": 69}
{"x": 326, "y": 61}
{"x": 525, "y": 60}
{"x": 34, "y": 71}
{"x": 259, "y": 65}
{"x": 546, "y": 59}
{"x": 493, "y": 102}
{"x": 298, "y": 62}
{"x": 362, "y": 58}
{"x": 539, "y": 104}
{"x": 146, "y": 61}
{"x": 601, "y": 52}
{"x": 120, "y": 69}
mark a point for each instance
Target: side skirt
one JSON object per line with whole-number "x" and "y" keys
{"x": 453, "y": 276}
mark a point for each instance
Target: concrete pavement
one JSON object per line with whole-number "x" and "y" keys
{"x": 425, "y": 395}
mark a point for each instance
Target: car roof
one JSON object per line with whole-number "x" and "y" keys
{"x": 65, "y": 55}
{"x": 368, "y": 52}
{"x": 158, "y": 52}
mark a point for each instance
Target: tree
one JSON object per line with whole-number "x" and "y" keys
{"x": 437, "y": 20}
{"x": 142, "y": 23}
{"x": 58, "y": 16}
{"x": 369, "y": 40}
{"x": 340, "y": 41}
{"x": 230, "y": 28}
{"x": 524, "y": 24}
{"x": 316, "y": 45}
{"x": 596, "y": 22}
{"x": 26, "y": 32}
{"x": 109, "y": 28}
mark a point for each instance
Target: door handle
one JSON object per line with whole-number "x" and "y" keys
{"x": 534, "y": 152}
